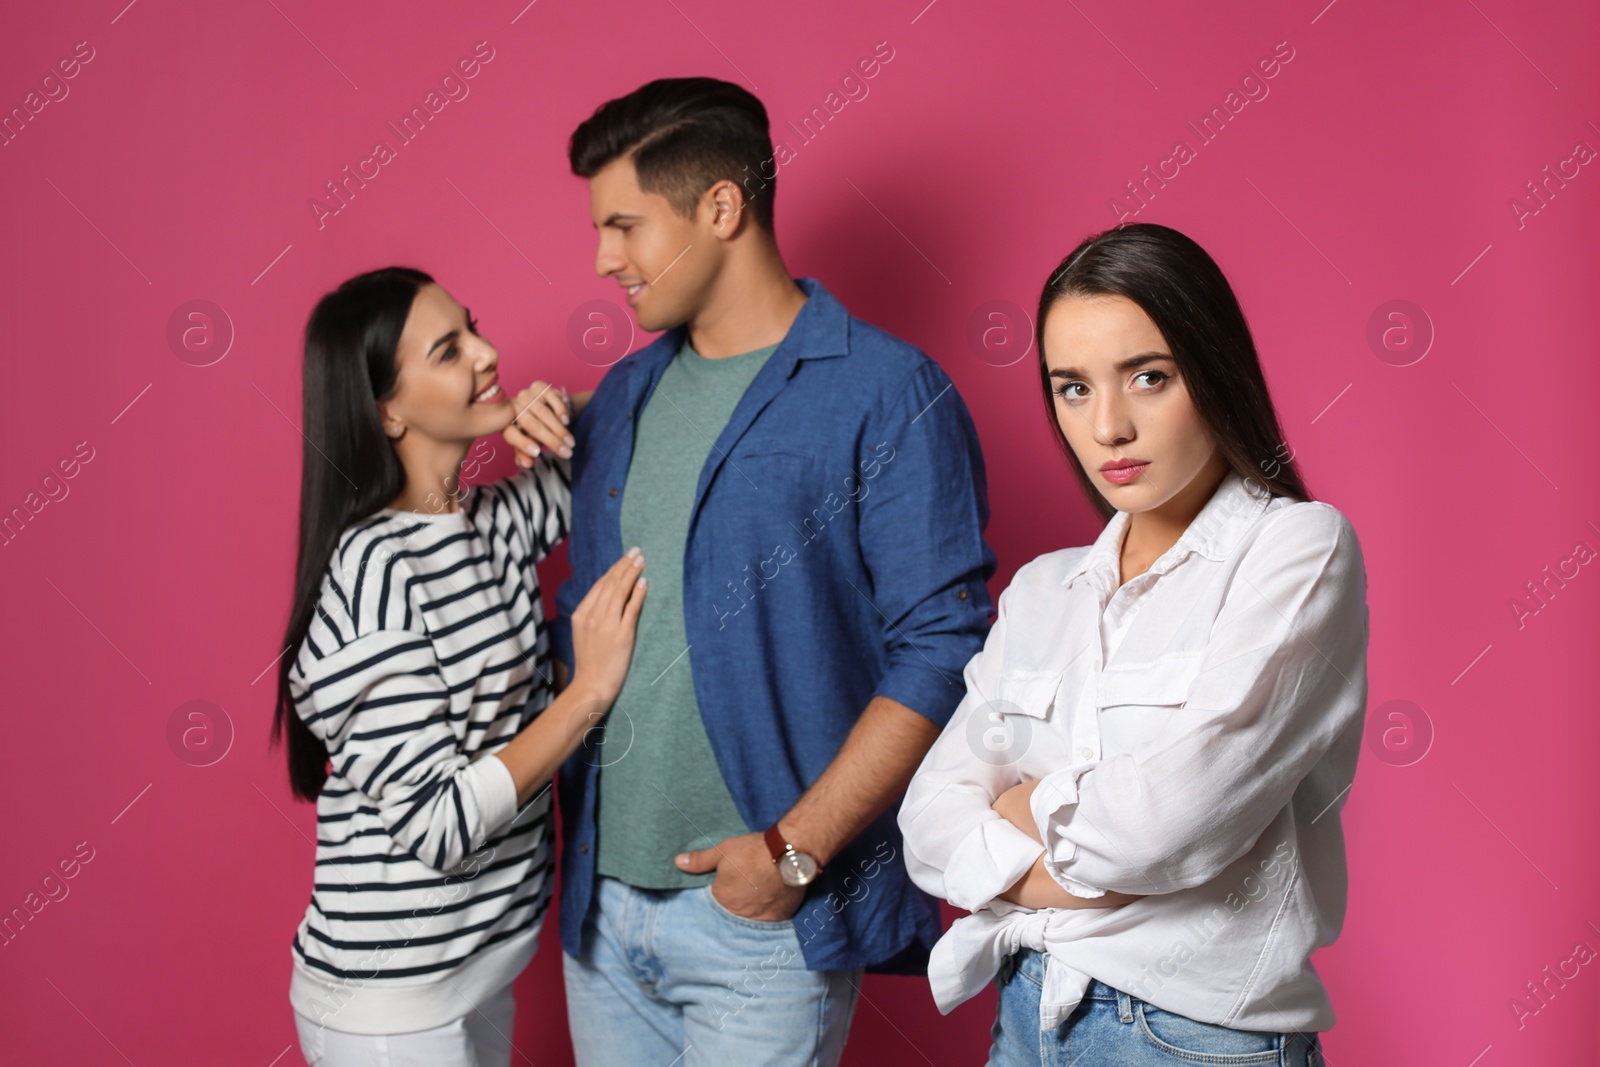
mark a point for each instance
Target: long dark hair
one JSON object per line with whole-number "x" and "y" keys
{"x": 1187, "y": 296}
{"x": 348, "y": 469}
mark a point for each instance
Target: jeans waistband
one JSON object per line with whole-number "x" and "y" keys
{"x": 1096, "y": 990}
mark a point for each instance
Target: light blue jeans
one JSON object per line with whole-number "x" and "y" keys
{"x": 671, "y": 978}
{"x": 1112, "y": 1029}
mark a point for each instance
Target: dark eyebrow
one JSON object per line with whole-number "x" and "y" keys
{"x": 452, "y": 335}
{"x": 1122, "y": 365}
{"x": 611, "y": 219}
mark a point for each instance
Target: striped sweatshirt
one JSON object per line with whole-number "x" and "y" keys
{"x": 428, "y": 651}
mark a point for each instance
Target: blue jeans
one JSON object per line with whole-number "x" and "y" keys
{"x": 671, "y": 977}
{"x": 1112, "y": 1029}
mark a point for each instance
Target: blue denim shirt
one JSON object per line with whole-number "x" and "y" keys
{"x": 835, "y": 553}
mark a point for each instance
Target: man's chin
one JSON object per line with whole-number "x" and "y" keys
{"x": 651, "y": 321}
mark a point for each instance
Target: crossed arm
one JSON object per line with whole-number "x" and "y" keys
{"x": 1036, "y": 889}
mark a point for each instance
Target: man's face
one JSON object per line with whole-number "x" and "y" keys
{"x": 664, "y": 262}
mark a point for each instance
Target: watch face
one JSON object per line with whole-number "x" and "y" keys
{"x": 797, "y": 869}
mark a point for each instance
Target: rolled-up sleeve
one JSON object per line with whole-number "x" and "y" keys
{"x": 1282, "y": 678}
{"x": 957, "y": 846}
{"x": 921, "y": 538}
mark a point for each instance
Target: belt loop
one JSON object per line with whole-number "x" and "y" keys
{"x": 1124, "y": 1007}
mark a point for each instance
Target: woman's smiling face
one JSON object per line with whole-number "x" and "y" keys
{"x": 447, "y": 387}
{"x": 1119, "y": 400}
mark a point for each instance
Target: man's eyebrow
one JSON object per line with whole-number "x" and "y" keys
{"x": 1126, "y": 364}
{"x": 612, "y": 218}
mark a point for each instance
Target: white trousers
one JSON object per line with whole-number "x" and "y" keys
{"x": 480, "y": 1038}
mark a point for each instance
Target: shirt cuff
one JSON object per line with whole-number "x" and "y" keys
{"x": 924, "y": 689}
{"x": 496, "y": 790}
{"x": 987, "y": 862}
{"x": 1050, "y": 804}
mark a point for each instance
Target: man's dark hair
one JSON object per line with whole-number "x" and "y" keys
{"x": 684, "y": 135}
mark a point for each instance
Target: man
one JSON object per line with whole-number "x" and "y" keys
{"x": 809, "y": 495}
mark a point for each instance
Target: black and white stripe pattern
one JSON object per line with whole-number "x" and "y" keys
{"x": 428, "y": 652}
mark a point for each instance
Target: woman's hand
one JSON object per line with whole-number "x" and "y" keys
{"x": 602, "y": 642}
{"x": 1036, "y": 888}
{"x": 543, "y": 413}
{"x": 603, "y": 626}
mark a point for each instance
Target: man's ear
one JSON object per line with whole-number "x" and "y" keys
{"x": 727, "y": 204}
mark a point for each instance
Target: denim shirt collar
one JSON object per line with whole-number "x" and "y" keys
{"x": 820, "y": 331}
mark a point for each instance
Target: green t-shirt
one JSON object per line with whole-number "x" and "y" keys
{"x": 660, "y": 790}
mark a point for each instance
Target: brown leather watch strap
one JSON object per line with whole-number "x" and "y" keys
{"x": 775, "y": 842}
{"x": 780, "y": 847}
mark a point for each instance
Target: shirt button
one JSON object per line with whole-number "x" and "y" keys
{"x": 1085, "y": 753}
{"x": 961, "y": 594}
{"x": 583, "y": 848}
{"x": 613, "y": 490}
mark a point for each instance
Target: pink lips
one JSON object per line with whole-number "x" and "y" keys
{"x": 1123, "y": 471}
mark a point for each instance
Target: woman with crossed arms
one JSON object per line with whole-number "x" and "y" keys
{"x": 1138, "y": 798}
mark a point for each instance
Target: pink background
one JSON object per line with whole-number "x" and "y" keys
{"x": 1380, "y": 167}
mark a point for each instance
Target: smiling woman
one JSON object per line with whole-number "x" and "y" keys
{"x": 416, "y": 703}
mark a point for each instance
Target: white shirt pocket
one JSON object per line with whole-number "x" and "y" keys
{"x": 1002, "y": 731}
{"x": 1163, "y": 681}
{"x": 1141, "y": 704}
{"x": 1030, "y": 693}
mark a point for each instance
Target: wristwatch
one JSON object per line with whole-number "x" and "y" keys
{"x": 796, "y": 868}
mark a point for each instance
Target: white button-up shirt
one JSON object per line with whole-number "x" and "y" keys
{"x": 1194, "y": 732}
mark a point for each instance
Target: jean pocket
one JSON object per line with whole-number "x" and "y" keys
{"x": 1029, "y": 964}
{"x": 765, "y": 925}
{"x": 1194, "y": 1041}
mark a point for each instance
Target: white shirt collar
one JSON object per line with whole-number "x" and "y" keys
{"x": 1214, "y": 533}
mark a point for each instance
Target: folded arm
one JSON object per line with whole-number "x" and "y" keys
{"x": 967, "y": 840}
{"x": 1282, "y": 678}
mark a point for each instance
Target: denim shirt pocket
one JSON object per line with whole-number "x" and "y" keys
{"x": 781, "y": 464}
